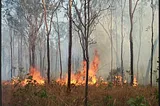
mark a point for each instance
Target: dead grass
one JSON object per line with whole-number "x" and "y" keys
{"x": 55, "y": 95}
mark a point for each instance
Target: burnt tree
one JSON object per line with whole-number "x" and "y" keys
{"x": 69, "y": 47}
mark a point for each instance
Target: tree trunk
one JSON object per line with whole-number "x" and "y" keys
{"x": 84, "y": 56}
{"x": 70, "y": 47}
{"x": 131, "y": 41}
{"x": 122, "y": 69}
{"x": 59, "y": 47}
{"x": 30, "y": 56}
{"x": 111, "y": 47}
{"x": 122, "y": 39}
{"x": 41, "y": 62}
{"x": 48, "y": 59}
{"x": 152, "y": 45}
{"x": 48, "y": 32}
{"x": 19, "y": 60}
{"x": 43, "y": 71}
{"x": 33, "y": 55}
{"x": 56, "y": 62}
{"x": 140, "y": 36}
{"x": 11, "y": 52}
{"x": 86, "y": 30}
{"x": 21, "y": 50}
{"x": 117, "y": 57}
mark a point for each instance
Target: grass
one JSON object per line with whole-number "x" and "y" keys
{"x": 55, "y": 94}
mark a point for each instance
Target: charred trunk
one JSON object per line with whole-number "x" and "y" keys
{"x": 48, "y": 59}
{"x": 33, "y": 55}
{"x": 70, "y": 47}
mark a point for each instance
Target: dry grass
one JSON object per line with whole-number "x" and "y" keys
{"x": 55, "y": 95}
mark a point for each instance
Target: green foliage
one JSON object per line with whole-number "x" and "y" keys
{"x": 43, "y": 93}
{"x": 157, "y": 80}
{"x": 110, "y": 85}
{"x": 156, "y": 93}
{"x": 108, "y": 100}
{"x": 138, "y": 101}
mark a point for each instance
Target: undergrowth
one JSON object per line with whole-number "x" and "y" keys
{"x": 55, "y": 94}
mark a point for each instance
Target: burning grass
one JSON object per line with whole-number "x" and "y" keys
{"x": 54, "y": 94}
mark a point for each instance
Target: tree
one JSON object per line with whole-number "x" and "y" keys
{"x": 85, "y": 18}
{"x": 122, "y": 38}
{"x": 11, "y": 47}
{"x": 14, "y": 21}
{"x": 34, "y": 17}
{"x": 140, "y": 37}
{"x": 48, "y": 33}
{"x": 152, "y": 45}
{"x": 111, "y": 43}
{"x": 85, "y": 53}
{"x": 131, "y": 14}
{"x": 69, "y": 47}
{"x": 59, "y": 45}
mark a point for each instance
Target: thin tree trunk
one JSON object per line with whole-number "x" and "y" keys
{"x": 122, "y": 39}
{"x": 111, "y": 48}
{"x": 11, "y": 51}
{"x": 117, "y": 64}
{"x": 19, "y": 62}
{"x": 48, "y": 50}
{"x": 131, "y": 13}
{"x": 131, "y": 41}
{"x": 41, "y": 63}
{"x": 152, "y": 45}
{"x": 122, "y": 69}
{"x": 86, "y": 46}
{"x": 13, "y": 73}
{"x": 43, "y": 59}
{"x": 70, "y": 47}
{"x": 48, "y": 59}
{"x": 140, "y": 36}
{"x": 21, "y": 49}
{"x": 33, "y": 55}
{"x": 30, "y": 56}
{"x": 84, "y": 56}
{"x": 59, "y": 47}
{"x": 56, "y": 62}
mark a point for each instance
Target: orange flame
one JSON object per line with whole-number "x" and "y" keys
{"x": 79, "y": 77}
{"x": 135, "y": 82}
{"x": 35, "y": 77}
{"x": 118, "y": 80}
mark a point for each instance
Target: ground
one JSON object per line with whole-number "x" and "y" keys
{"x": 55, "y": 94}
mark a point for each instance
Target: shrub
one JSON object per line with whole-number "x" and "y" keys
{"x": 138, "y": 101}
{"x": 108, "y": 100}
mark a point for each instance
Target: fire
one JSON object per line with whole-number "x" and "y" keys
{"x": 118, "y": 80}
{"x": 125, "y": 81}
{"x": 79, "y": 77}
{"x": 35, "y": 77}
{"x": 135, "y": 83}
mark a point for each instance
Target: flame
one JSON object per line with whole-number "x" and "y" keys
{"x": 36, "y": 76}
{"x": 125, "y": 81}
{"x": 79, "y": 77}
{"x": 118, "y": 80}
{"x": 135, "y": 82}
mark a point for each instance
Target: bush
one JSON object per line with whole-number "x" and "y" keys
{"x": 108, "y": 100}
{"x": 138, "y": 101}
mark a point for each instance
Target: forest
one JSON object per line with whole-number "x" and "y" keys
{"x": 80, "y": 52}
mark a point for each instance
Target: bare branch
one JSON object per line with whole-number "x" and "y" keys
{"x": 135, "y": 7}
